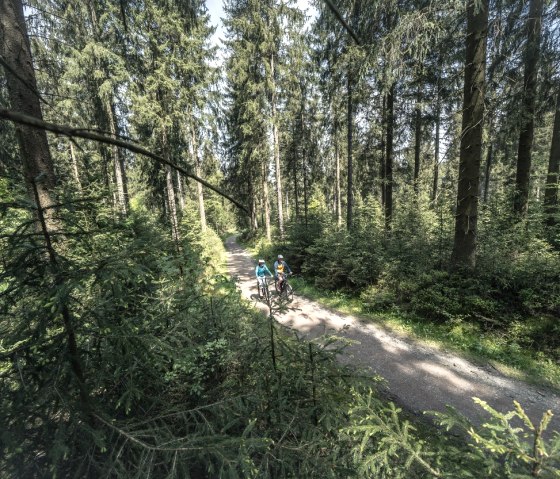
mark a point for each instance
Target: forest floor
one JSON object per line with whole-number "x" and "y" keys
{"x": 418, "y": 377}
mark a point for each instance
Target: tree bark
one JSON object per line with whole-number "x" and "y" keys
{"x": 38, "y": 168}
{"x": 338, "y": 202}
{"x": 118, "y": 163}
{"x": 350, "y": 171}
{"x": 436, "y": 146}
{"x": 171, "y": 199}
{"x": 389, "y": 157}
{"x": 464, "y": 246}
{"x": 553, "y": 177}
{"x": 488, "y": 170}
{"x": 383, "y": 164}
{"x": 180, "y": 191}
{"x": 417, "y": 141}
{"x": 75, "y": 170}
{"x": 198, "y": 170}
{"x": 532, "y": 53}
{"x": 276, "y": 152}
{"x": 266, "y": 201}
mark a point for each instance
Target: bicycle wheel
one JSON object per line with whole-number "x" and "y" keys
{"x": 289, "y": 292}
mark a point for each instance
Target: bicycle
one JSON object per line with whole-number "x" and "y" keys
{"x": 262, "y": 287}
{"x": 286, "y": 289}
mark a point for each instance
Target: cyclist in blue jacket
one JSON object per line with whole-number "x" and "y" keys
{"x": 261, "y": 272}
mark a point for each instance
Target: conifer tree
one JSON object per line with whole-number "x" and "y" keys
{"x": 531, "y": 65}
{"x": 464, "y": 246}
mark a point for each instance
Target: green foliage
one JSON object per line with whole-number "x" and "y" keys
{"x": 510, "y": 444}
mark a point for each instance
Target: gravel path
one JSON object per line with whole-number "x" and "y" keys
{"x": 418, "y": 377}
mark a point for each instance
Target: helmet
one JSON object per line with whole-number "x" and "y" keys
{"x": 261, "y": 261}
{"x": 280, "y": 256}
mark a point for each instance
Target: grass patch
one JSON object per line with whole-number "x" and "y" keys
{"x": 467, "y": 338}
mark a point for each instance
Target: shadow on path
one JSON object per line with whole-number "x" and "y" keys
{"x": 419, "y": 377}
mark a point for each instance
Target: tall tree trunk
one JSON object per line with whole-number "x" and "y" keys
{"x": 350, "y": 185}
{"x": 180, "y": 191}
{"x": 276, "y": 152}
{"x": 338, "y": 202}
{"x": 38, "y": 166}
{"x": 266, "y": 201}
{"x": 170, "y": 195}
{"x": 118, "y": 163}
{"x": 417, "y": 140}
{"x": 383, "y": 163}
{"x": 305, "y": 186}
{"x": 464, "y": 246}
{"x": 436, "y": 146}
{"x": 488, "y": 170}
{"x": 532, "y": 53}
{"x": 198, "y": 168}
{"x": 553, "y": 177}
{"x": 74, "y": 162}
{"x": 296, "y": 189}
{"x": 254, "y": 215}
{"x": 38, "y": 170}
{"x": 171, "y": 204}
{"x": 389, "y": 157}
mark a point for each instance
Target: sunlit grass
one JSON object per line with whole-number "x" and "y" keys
{"x": 498, "y": 348}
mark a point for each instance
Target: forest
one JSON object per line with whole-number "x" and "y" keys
{"x": 403, "y": 155}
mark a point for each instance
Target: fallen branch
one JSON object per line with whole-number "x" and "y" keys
{"x": 71, "y": 132}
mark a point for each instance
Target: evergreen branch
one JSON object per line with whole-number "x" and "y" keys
{"x": 66, "y": 130}
{"x": 8, "y": 68}
{"x": 338, "y": 15}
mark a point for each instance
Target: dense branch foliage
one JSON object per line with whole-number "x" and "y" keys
{"x": 125, "y": 350}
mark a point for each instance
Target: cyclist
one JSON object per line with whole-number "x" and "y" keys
{"x": 261, "y": 272}
{"x": 281, "y": 269}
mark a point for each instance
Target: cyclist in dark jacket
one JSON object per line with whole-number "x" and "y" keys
{"x": 281, "y": 269}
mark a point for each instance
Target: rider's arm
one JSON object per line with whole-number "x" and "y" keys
{"x": 289, "y": 270}
{"x": 257, "y": 271}
{"x": 276, "y": 269}
{"x": 270, "y": 274}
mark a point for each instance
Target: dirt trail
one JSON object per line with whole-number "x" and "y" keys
{"x": 419, "y": 377}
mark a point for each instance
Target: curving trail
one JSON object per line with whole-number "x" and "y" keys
{"x": 418, "y": 377}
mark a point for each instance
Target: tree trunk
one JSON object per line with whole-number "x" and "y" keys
{"x": 198, "y": 168}
{"x": 552, "y": 179}
{"x": 338, "y": 202}
{"x": 74, "y": 162}
{"x": 38, "y": 170}
{"x": 171, "y": 200}
{"x": 350, "y": 186}
{"x": 180, "y": 191}
{"x": 383, "y": 164}
{"x": 266, "y": 201}
{"x": 436, "y": 146}
{"x": 172, "y": 208}
{"x": 276, "y": 152}
{"x": 389, "y": 157}
{"x": 38, "y": 166}
{"x": 417, "y": 142}
{"x": 464, "y": 246}
{"x": 118, "y": 163}
{"x": 305, "y": 187}
{"x": 488, "y": 170}
{"x": 532, "y": 52}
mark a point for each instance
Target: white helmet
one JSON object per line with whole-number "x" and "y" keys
{"x": 280, "y": 256}
{"x": 261, "y": 261}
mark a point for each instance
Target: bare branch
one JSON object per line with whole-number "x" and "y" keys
{"x": 338, "y": 15}
{"x": 66, "y": 130}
